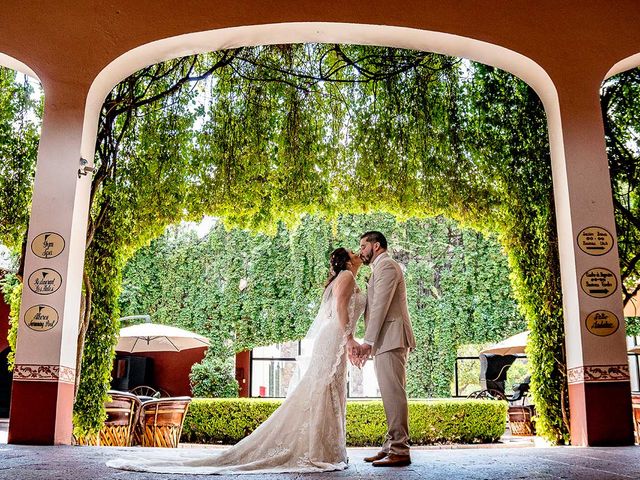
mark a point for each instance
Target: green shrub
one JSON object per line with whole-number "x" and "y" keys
{"x": 225, "y": 420}
{"x": 430, "y": 421}
{"x": 213, "y": 377}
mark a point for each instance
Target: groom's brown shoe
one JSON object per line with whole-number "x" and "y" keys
{"x": 393, "y": 460}
{"x": 377, "y": 456}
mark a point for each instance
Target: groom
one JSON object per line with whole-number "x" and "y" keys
{"x": 389, "y": 338}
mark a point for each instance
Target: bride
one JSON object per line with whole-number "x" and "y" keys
{"x": 307, "y": 432}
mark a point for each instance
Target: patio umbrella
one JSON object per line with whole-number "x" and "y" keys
{"x": 152, "y": 337}
{"x": 511, "y": 346}
{"x": 632, "y": 308}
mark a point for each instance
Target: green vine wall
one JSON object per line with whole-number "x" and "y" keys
{"x": 244, "y": 290}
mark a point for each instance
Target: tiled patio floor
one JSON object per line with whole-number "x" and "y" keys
{"x": 78, "y": 463}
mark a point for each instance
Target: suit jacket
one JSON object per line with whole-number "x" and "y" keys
{"x": 386, "y": 319}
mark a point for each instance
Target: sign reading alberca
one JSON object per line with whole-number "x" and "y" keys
{"x": 41, "y": 318}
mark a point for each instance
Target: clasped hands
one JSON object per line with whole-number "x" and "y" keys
{"x": 358, "y": 354}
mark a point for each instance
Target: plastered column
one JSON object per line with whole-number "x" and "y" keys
{"x": 43, "y": 379}
{"x": 598, "y": 372}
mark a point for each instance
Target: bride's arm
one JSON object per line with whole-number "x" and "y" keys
{"x": 344, "y": 291}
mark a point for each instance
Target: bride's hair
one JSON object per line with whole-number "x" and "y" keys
{"x": 337, "y": 262}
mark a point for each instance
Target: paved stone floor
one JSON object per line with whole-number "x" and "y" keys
{"x": 78, "y": 463}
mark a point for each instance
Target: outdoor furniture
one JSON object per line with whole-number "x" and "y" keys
{"x": 493, "y": 371}
{"x": 160, "y": 421}
{"x": 493, "y": 375}
{"x": 521, "y": 420}
{"x": 514, "y": 345}
{"x": 488, "y": 394}
{"x": 122, "y": 414}
{"x": 635, "y": 403}
{"x": 149, "y": 392}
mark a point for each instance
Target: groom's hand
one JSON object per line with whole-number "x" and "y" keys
{"x": 353, "y": 349}
{"x": 364, "y": 352}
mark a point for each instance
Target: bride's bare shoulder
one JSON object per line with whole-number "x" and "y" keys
{"x": 345, "y": 282}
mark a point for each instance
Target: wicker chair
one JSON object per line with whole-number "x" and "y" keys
{"x": 122, "y": 416}
{"x": 521, "y": 420}
{"x": 635, "y": 403}
{"x": 160, "y": 421}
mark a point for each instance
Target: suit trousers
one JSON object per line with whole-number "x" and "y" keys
{"x": 390, "y": 370}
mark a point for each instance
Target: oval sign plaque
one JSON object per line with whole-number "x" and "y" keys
{"x": 47, "y": 245}
{"x": 595, "y": 241}
{"x": 41, "y": 318}
{"x": 45, "y": 281}
{"x": 602, "y": 323}
{"x": 599, "y": 282}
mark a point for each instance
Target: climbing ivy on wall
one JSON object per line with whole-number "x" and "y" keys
{"x": 526, "y": 228}
{"x": 264, "y": 145}
{"x": 245, "y": 290}
{"x": 621, "y": 114}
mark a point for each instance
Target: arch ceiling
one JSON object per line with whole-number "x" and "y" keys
{"x": 71, "y": 41}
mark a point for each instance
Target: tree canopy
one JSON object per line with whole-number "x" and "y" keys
{"x": 19, "y": 135}
{"x": 280, "y": 131}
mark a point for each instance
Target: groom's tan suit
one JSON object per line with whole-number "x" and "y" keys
{"x": 388, "y": 331}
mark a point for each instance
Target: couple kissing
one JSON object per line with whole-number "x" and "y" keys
{"x": 307, "y": 432}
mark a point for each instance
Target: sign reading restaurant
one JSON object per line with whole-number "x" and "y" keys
{"x": 45, "y": 281}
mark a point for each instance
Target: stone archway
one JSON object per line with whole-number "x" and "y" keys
{"x": 581, "y": 184}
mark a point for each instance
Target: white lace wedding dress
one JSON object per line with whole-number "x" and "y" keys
{"x": 306, "y": 433}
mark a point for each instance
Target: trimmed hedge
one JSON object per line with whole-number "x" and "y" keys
{"x": 225, "y": 420}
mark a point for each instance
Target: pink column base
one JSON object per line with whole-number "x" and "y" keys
{"x": 41, "y": 413}
{"x": 601, "y": 414}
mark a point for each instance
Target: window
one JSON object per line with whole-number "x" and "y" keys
{"x": 273, "y": 367}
